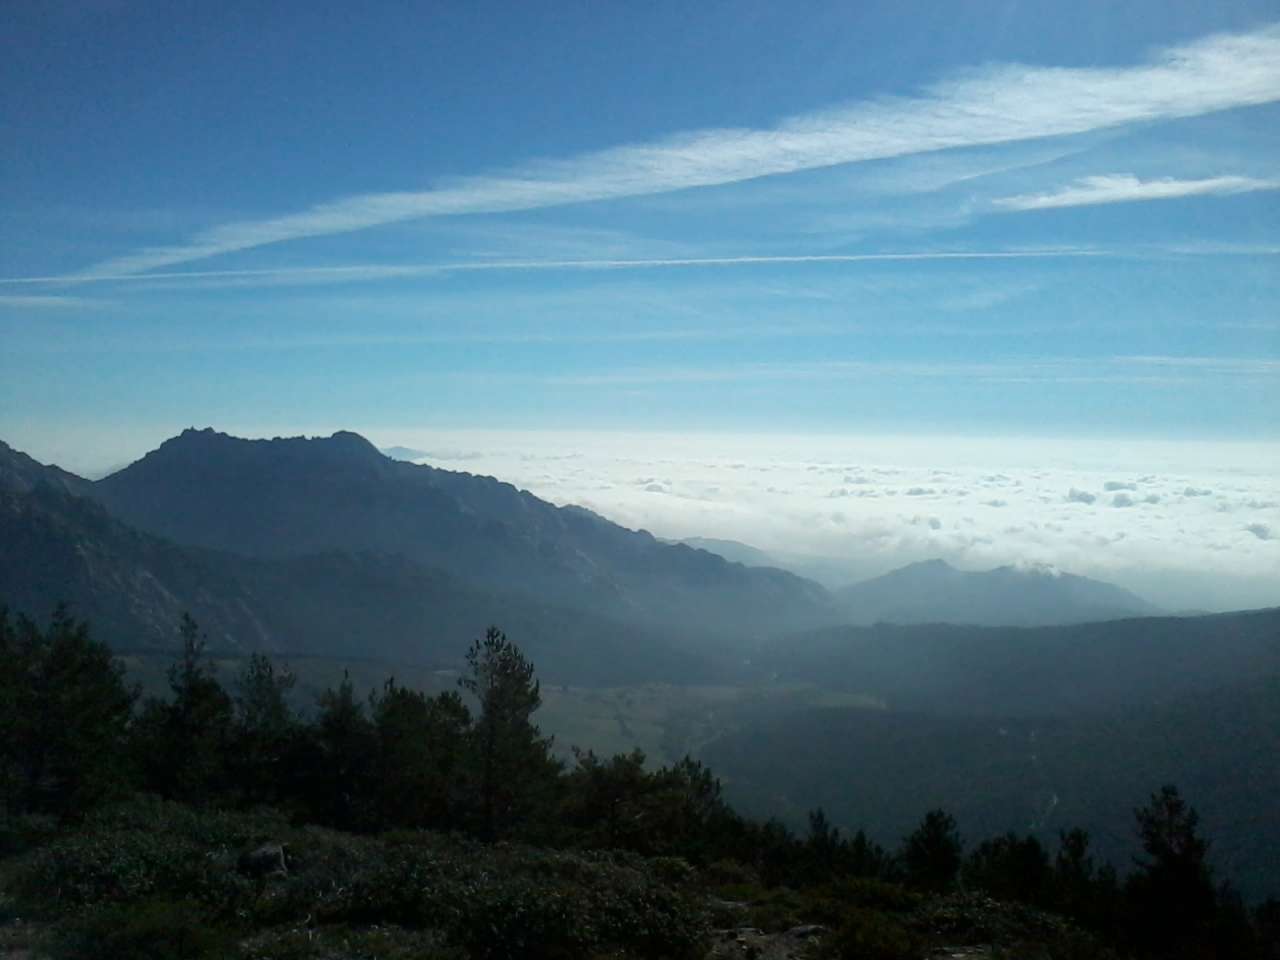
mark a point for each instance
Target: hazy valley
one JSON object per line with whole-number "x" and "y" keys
{"x": 331, "y": 556}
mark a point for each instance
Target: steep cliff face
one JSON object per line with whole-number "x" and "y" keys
{"x": 133, "y": 588}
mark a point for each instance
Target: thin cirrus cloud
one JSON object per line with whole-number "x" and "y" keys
{"x": 44, "y": 302}
{"x": 1126, "y": 188}
{"x": 1134, "y": 369}
{"x": 351, "y": 273}
{"x": 998, "y": 104}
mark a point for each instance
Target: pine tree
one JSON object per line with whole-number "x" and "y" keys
{"x": 1172, "y": 893}
{"x": 343, "y": 764}
{"x": 65, "y": 712}
{"x": 514, "y": 771}
{"x": 184, "y": 744}
{"x": 420, "y": 746}
{"x": 266, "y": 728}
{"x": 931, "y": 854}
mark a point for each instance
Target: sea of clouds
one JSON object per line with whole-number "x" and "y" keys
{"x": 1186, "y": 525}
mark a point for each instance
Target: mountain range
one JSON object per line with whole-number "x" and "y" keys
{"x": 933, "y": 591}
{"x": 328, "y": 548}
{"x": 294, "y": 497}
{"x": 207, "y": 509}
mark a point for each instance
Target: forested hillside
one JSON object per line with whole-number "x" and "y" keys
{"x": 1037, "y": 774}
{"x": 219, "y": 823}
{"x": 1034, "y": 671}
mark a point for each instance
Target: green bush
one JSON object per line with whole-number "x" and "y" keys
{"x": 207, "y": 827}
{"x": 371, "y": 943}
{"x": 778, "y": 909}
{"x": 22, "y": 832}
{"x": 519, "y": 902}
{"x": 729, "y": 874}
{"x": 149, "y": 930}
{"x": 143, "y": 849}
{"x": 870, "y": 935}
{"x": 871, "y": 895}
{"x": 116, "y": 866}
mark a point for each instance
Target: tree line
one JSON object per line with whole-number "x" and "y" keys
{"x": 473, "y": 761}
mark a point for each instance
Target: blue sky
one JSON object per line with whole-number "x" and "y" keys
{"x": 908, "y": 218}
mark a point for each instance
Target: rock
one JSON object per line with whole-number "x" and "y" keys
{"x": 751, "y": 943}
{"x": 268, "y": 860}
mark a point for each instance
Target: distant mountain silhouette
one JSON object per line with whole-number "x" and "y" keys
{"x": 19, "y": 473}
{"x": 936, "y": 592}
{"x": 732, "y": 550}
{"x": 134, "y": 587}
{"x": 290, "y": 497}
{"x": 1059, "y": 670}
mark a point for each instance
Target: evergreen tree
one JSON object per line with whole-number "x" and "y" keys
{"x": 1084, "y": 891}
{"x": 184, "y": 744}
{"x": 825, "y": 850}
{"x": 931, "y": 854}
{"x": 420, "y": 751}
{"x": 1171, "y": 895}
{"x": 65, "y": 713}
{"x": 1010, "y": 868}
{"x": 607, "y": 801}
{"x": 514, "y": 773}
{"x": 342, "y": 764}
{"x": 868, "y": 859}
{"x": 266, "y": 729}
{"x": 691, "y": 818}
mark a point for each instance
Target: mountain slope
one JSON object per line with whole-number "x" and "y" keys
{"x": 1033, "y": 670}
{"x": 935, "y": 592}
{"x": 882, "y": 770}
{"x": 134, "y": 587}
{"x": 19, "y": 473}
{"x": 289, "y": 497}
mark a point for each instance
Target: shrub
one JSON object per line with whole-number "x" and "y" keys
{"x": 870, "y": 935}
{"x": 384, "y": 942}
{"x": 730, "y": 874}
{"x": 22, "y": 832}
{"x": 150, "y": 930}
{"x": 874, "y": 895}
{"x": 142, "y": 849}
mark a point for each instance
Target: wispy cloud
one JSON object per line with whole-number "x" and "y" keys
{"x": 19, "y": 302}
{"x": 1079, "y": 370}
{"x": 998, "y": 104}
{"x": 1246, "y": 366}
{"x": 373, "y": 271}
{"x": 1126, "y": 188}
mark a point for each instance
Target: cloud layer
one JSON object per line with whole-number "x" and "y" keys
{"x": 1145, "y": 515}
{"x": 993, "y": 105}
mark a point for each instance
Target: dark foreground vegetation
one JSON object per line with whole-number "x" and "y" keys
{"x": 221, "y": 823}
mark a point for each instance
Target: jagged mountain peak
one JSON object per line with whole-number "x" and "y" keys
{"x": 207, "y": 438}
